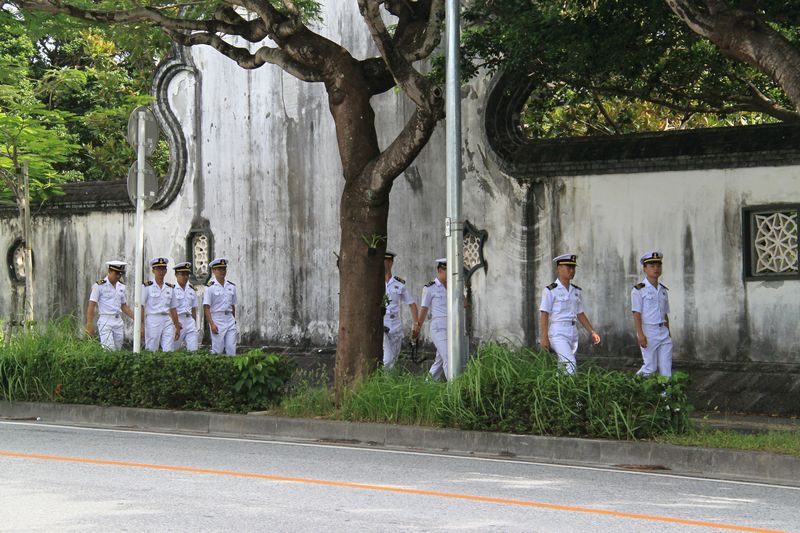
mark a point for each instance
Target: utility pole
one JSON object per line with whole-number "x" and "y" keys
{"x": 454, "y": 225}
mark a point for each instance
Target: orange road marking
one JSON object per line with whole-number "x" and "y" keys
{"x": 390, "y": 489}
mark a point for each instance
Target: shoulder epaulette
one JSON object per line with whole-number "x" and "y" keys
{"x": 552, "y": 286}
{"x": 401, "y": 280}
{"x": 232, "y": 283}
{"x": 170, "y": 285}
{"x": 576, "y": 287}
{"x": 148, "y": 283}
{"x": 210, "y": 283}
{"x": 191, "y": 287}
{"x": 664, "y": 286}
{"x": 639, "y": 286}
{"x": 100, "y": 281}
{"x": 431, "y": 282}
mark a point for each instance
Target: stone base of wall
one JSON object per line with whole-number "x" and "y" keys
{"x": 749, "y": 387}
{"x": 746, "y": 387}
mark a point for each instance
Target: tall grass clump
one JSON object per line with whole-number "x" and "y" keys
{"x": 308, "y": 395}
{"x": 30, "y": 367}
{"x": 394, "y": 396}
{"x": 518, "y": 390}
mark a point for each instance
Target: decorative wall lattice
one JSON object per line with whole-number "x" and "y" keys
{"x": 775, "y": 238}
{"x": 201, "y": 255}
{"x": 474, "y": 240}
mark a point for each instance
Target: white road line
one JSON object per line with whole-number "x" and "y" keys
{"x": 256, "y": 439}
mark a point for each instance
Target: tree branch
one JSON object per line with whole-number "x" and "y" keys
{"x": 419, "y": 28}
{"x": 403, "y": 150}
{"x": 692, "y": 15}
{"x": 416, "y": 86}
{"x": 246, "y": 59}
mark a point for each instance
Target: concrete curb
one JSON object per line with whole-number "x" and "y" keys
{"x": 710, "y": 462}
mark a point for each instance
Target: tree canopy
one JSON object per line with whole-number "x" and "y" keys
{"x": 81, "y": 75}
{"x": 610, "y": 66}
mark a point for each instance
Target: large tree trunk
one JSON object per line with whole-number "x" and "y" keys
{"x": 361, "y": 287}
{"x": 363, "y": 216}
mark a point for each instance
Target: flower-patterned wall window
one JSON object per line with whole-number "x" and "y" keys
{"x": 771, "y": 249}
{"x": 200, "y": 245}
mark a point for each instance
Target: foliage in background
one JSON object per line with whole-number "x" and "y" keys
{"x": 51, "y": 364}
{"x": 603, "y": 67}
{"x": 52, "y": 68}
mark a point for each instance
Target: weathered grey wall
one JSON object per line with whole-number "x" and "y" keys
{"x": 264, "y": 172}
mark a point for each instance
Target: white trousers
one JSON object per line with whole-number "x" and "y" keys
{"x": 158, "y": 332}
{"x": 225, "y": 340}
{"x": 392, "y": 343}
{"x": 439, "y": 337}
{"x": 189, "y": 337}
{"x": 110, "y": 329}
{"x": 564, "y": 341}
{"x": 658, "y": 354}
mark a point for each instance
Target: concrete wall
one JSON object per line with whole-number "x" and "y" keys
{"x": 263, "y": 172}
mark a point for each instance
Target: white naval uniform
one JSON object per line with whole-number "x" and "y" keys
{"x": 185, "y": 302}
{"x": 109, "y": 299}
{"x": 563, "y": 305}
{"x": 159, "y": 331}
{"x": 221, "y": 300}
{"x": 653, "y": 304}
{"x": 398, "y": 295}
{"x": 434, "y": 297}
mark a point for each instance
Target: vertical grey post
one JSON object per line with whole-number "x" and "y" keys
{"x": 28, "y": 238}
{"x": 454, "y": 228}
{"x": 139, "y": 230}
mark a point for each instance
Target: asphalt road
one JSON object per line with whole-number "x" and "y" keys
{"x": 55, "y": 478}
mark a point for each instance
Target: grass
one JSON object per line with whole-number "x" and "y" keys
{"x": 783, "y": 442}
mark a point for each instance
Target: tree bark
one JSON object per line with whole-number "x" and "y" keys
{"x": 363, "y": 218}
{"x": 743, "y": 35}
{"x": 361, "y": 287}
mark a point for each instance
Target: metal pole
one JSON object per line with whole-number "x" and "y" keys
{"x": 454, "y": 227}
{"x": 27, "y": 231}
{"x": 139, "y": 230}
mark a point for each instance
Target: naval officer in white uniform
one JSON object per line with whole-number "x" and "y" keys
{"x": 560, "y": 310}
{"x": 397, "y": 294}
{"x": 650, "y": 306}
{"x": 219, "y": 306}
{"x": 434, "y": 298}
{"x": 186, "y": 307}
{"x": 108, "y": 300}
{"x": 161, "y": 327}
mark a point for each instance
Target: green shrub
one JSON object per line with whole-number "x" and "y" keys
{"x": 51, "y": 364}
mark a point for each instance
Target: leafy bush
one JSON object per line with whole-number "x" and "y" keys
{"x": 53, "y": 365}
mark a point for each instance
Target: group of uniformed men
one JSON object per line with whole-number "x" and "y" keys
{"x": 170, "y": 312}
{"x": 169, "y": 318}
{"x": 434, "y": 301}
{"x": 562, "y": 308}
